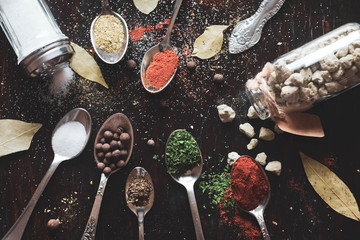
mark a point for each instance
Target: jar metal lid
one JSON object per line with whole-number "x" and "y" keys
{"x": 47, "y": 57}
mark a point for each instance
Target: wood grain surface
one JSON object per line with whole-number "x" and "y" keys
{"x": 295, "y": 210}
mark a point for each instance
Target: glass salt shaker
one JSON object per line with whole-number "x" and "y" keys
{"x": 318, "y": 70}
{"x": 34, "y": 35}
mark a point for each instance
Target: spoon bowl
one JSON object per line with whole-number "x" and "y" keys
{"x": 188, "y": 180}
{"x": 258, "y": 212}
{"x": 76, "y": 115}
{"x": 163, "y": 46}
{"x": 110, "y": 58}
{"x": 140, "y": 211}
{"x": 115, "y": 121}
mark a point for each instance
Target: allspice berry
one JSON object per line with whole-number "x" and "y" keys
{"x": 108, "y": 135}
{"x": 100, "y": 166}
{"x": 151, "y": 143}
{"x": 53, "y": 224}
{"x": 191, "y": 65}
{"x": 218, "y": 78}
{"x": 114, "y": 145}
{"x": 124, "y": 137}
{"x": 131, "y": 64}
{"x": 98, "y": 147}
{"x": 106, "y": 147}
{"x": 107, "y": 170}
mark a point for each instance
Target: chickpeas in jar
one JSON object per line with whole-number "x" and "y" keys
{"x": 320, "y": 69}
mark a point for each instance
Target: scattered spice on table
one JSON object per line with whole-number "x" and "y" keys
{"x": 248, "y": 183}
{"x": 162, "y": 68}
{"x": 139, "y": 192}
{"x": 217, "y": 185}
{"x": 109, "y": 33}
{"x": 182, "y": 153}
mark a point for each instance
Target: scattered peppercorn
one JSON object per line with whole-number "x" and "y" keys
{"x": 131, "y": 64}
{"x": 151, "y": 143}
{"x": 53, "y": 224}
{"x": 163, "y": 104}
{"x": 218, "y": 78}
{"x": 191, "y": 65}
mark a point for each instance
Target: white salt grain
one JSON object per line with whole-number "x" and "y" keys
{"x": 69, "y": 139}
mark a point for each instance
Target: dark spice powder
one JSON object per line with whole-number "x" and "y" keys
{"x": 139, "y": 192}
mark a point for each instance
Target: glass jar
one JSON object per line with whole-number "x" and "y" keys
{"x": 320, "y": 69}
{"x": 34, "y": 35}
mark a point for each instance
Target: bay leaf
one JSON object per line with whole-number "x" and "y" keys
{"x": 16, "y": 135}
{"x": 330, "y": 188}
{"x": 146, "y": 6}
{"x": 85, "y": 65}
{"x": 210, "y": 42}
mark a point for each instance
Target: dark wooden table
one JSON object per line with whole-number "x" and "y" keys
{"x": 295, "y": 211}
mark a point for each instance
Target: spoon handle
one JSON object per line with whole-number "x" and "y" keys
{"x": 90, "y": 229}
{"x": 141, "y": 215}
{"x": 194, "y": 212}
{"x": 105, "y": 4}
{"x": 166, "y": 41}
{"x": 17, "y": 230}
{"x": 260, "y": 218}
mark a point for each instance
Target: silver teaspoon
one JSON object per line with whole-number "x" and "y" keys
{"x": 140, "y": 211}
{"x": 110, "y": 58}
{"x": 112, "y": 123}
{"x": 258, "y": 212}
{"x": 248, "y": 32}
{"x": 161, "y": 47}
{"x": 188, "y": 180}
{"x": 76, "y": 115}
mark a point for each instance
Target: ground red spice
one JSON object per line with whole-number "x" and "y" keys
{"x": 161, "y": 68}
{"x": 248, "y": 183}
{"x": 137, "y": 33}
{"x": 233, "y": 217}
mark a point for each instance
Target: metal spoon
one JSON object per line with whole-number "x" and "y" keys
{"x": 112, "y": 123}
{"x": 110, "y": 58}
{"x": 258, "y": 212}
{"x": 161, "y": 47}
{"x": 247, "y": 32}
{"x": 79, "y": 115}
{"x": 188, "y": 180}
{"x": 140, "y": 212}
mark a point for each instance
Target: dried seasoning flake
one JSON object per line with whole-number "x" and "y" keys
{"x": 330, "y": 188}
{"x": 109, "y": 33}
{"x": 16, "y": 135}
{"x": 139, "y": 192}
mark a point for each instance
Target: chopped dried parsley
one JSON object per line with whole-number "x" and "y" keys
{"x": 182, "y": 153}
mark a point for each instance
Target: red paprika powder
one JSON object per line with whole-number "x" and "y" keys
{"x": 161, "y": 68}
{"x": 248, "y": 183}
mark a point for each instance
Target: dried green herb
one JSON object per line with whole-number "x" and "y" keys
{"x": 182, "y": 153}
{"x": 139, "y": 192}
{"x": 217, "y": 185}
